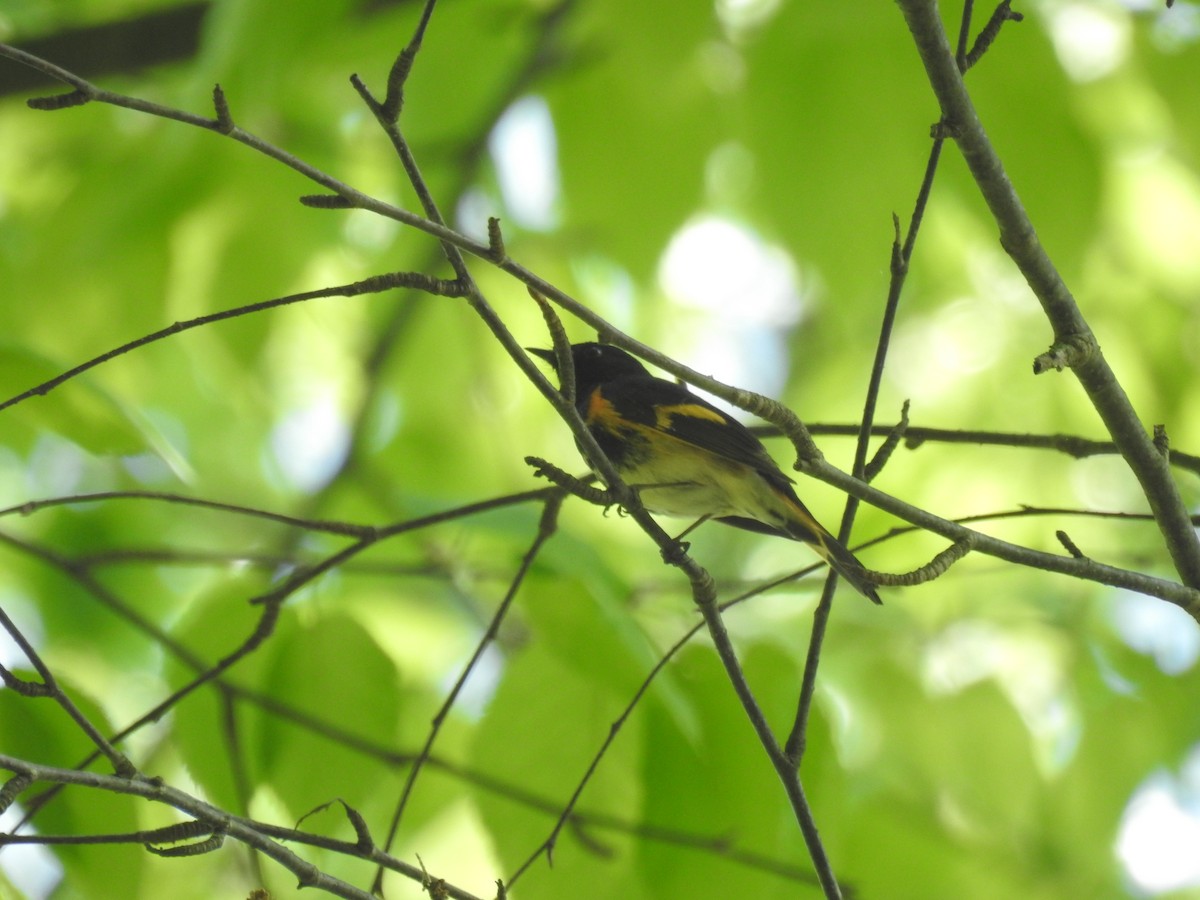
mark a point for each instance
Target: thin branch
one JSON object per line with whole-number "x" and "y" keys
{"x": 401, "y": 68}
{"x": 371, "y": 285}
{"x": 49, "y": 688}
{"x": 1182, "y": 596}
{"x": 212, "y": 674}
{"x": 935, "y": 568}
{"x": 511, "y": 792}
{"x": 915, "y": 435}
{"x": 901, "y": 255}
{"x": 387, "y": 115}
{"x": 564, "y": 360}
{"x": 356, "y": 198}
{"x": 782, "y": 764}
{"x": 568, "y": 810}
{"x": 465, "y": 163}
{"x": 243, "y": 785}
{"x": 703, "y": 589}
{"x": 181, "y": 831}
{"x": 757, "y": 404}
{"x": 1069, "y": 545}
{"x": 1001, "y": 14}
{"x": 217, "y": 819}
{"x": 517, "y": 794}
{"x": 704, "y": 597}
{"x": 964, "y": 35}
{"x": 29, "y": 507}
{"x": 1019, "y": 239}
{"x": 546, "y": 528}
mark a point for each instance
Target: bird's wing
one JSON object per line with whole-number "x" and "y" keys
{"x": 681, "y": 414}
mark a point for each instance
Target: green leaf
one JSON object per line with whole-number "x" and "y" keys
{"x": 39, "y": 730}
{"x": 79, "y": 411}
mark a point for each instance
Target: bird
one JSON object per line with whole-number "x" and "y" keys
{"x": 687, "y": 458}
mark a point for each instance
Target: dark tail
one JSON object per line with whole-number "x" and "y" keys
{"x": 805, "y": 528}
{"x": 845, "y": 564}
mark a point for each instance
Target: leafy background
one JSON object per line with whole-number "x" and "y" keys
{"x": 989, "y": 735}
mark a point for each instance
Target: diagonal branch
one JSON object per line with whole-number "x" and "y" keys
{"x": 546, "y": 529}
{"x": 374, "y": 284}
{"x": 216, "y": 819}
{"x": 1072, "y": 445}
{"x": 1072, "y": 335}
{"x": 48, "y": 687}
{"x": 1183, "y": 596}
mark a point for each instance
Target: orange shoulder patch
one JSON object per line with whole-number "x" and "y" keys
{"x": 600, "y": 411}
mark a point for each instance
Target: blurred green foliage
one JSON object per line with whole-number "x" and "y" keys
{"x": 981, "y": 736}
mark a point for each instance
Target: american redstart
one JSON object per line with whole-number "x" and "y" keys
{"x": 706, "y": 465}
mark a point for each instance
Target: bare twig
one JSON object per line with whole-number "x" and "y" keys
{"x": 935, "y": 568}
{"x": 1072, "y": 335}
{"x": 1182, "y": 596}
{"x": 564, "y": 361}
{"x": 1001, "y": 14}
{"x": 205, "y": 673}
{"x": 214, "y": 818}
{"x": 546, "y": 528}
{"x": 454, "y": 244}
{"x": 915, "y": 436}
{"x": 900, "y": 257}
{"x": 401, "y": 68}
{"x": 49, "y": 688}
{"x": 29, "y": 507}
{"x": 371, "y": 285}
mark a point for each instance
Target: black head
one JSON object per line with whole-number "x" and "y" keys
{"x": 595, "y": 364}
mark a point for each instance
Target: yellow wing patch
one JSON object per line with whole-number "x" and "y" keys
{"x": 664, "y": 414}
